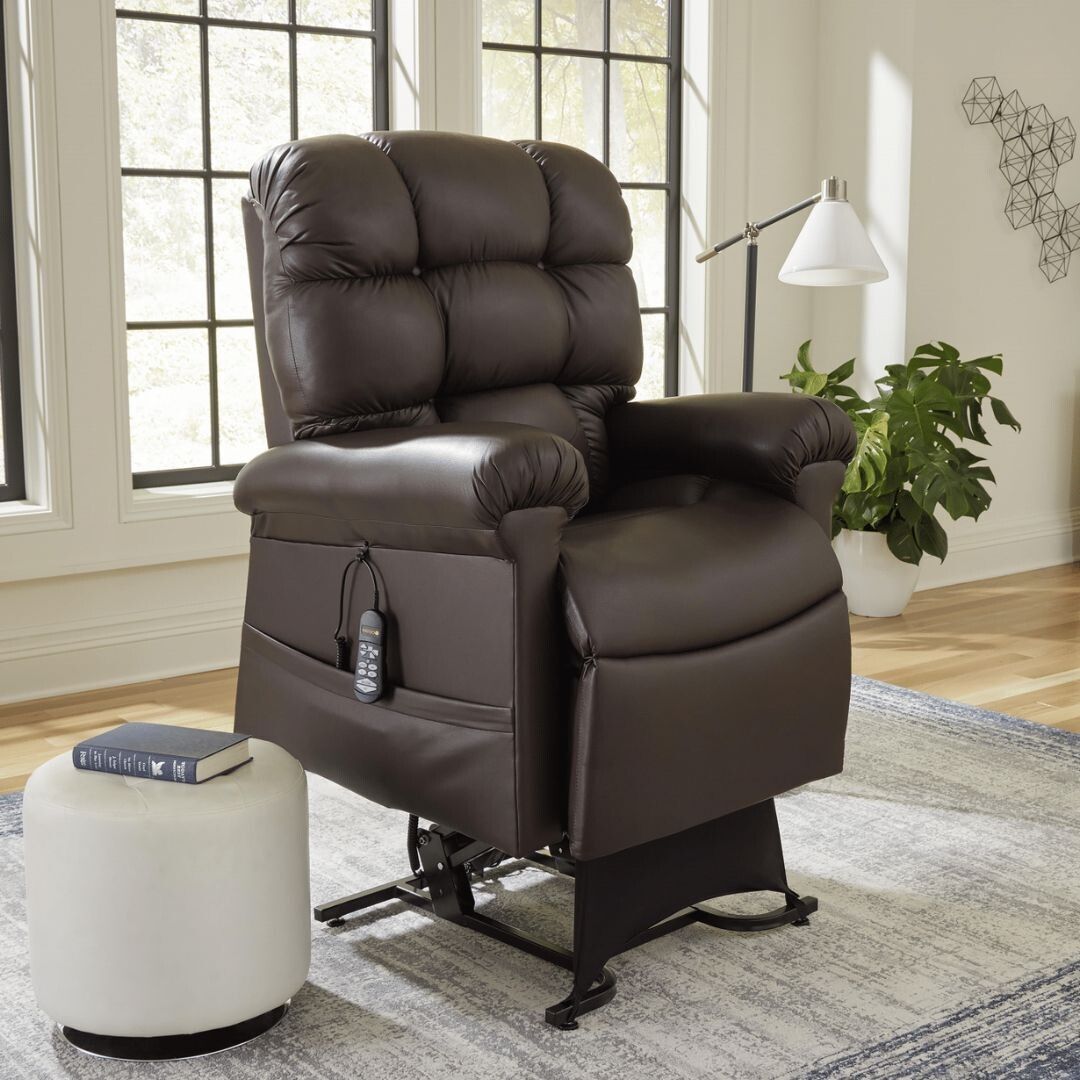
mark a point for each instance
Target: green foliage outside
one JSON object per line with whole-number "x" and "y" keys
{"x": 909, "y": 460}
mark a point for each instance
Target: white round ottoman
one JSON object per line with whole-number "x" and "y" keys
{"x": 167, "y": 920}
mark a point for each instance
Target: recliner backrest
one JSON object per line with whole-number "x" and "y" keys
{"x": 414, "y": 277}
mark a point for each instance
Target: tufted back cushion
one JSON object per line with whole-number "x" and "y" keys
{"x": 414, "y": 277}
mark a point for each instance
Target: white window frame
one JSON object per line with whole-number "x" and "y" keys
{"x": 39, "y": 296}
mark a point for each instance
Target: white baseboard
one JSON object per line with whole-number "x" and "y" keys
{"x": 1008, "y": 547}
{"x": 87, "y": 654}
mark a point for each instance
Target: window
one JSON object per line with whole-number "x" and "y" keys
{"x": 205, "y": 88}
{"x": 603, "y": 75}
{"x": 12, "y": 479}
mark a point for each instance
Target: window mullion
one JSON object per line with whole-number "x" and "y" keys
{"x": 380, "y": 68}
{"x": 294, "y": 97}
{"x": 674, "y": 180}
{"x": 607, "y": 83}
{"x": 538, "y": 69}
{"x": 208, "y": 234}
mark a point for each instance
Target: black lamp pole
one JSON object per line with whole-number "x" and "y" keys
{"x": 750, "y": 235}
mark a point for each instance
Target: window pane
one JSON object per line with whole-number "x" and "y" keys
{"x": 334, "y": 85}
{"x": 240, "y": 418}
{"x": 169, "y": 399}
{"x": 170, "y": 7}
{"x": 639, "y": 26}
{"x": 638, "y": 120}
{"x": 511, "y": 21}
{"x": 255, "y": 10}
{"x": 509, "y": 96}
{"x": 651, "y": 383}
{"x": 574, "y": 24}
{"x": 249, "y": 95}
{"x": 647, "y": 215}
{"x": 157, "y": 66}
{"x": 340, "y": 14}
{"x": 164, "y": 249}
{"x": 232, "y": 288}
{"x": 572, "y": 94}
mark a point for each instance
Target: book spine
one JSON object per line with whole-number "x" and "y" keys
{"x": 137, "y": 763}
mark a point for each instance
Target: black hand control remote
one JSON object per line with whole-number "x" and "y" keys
{"x": 370, "y": 656}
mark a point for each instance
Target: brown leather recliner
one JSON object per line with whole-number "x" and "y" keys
{"x": 614, "y": 629}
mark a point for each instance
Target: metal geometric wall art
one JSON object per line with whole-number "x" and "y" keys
{"x": 1033, "y": 147}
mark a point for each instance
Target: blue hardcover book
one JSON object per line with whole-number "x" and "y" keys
{"x": 163, "y": 752}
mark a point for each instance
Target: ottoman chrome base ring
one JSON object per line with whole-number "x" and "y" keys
{"x": 172, "y": 1047}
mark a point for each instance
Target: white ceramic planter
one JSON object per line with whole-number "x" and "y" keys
{"x": 876, "y": 582}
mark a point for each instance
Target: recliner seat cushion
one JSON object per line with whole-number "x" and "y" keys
{"x": 682, "y": 577}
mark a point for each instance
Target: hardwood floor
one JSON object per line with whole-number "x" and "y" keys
{"x": 1011, "y": 644}
{"x": 34, "y": 731}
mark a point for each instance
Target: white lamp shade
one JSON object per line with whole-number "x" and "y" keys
{"x": 833, "y": 249}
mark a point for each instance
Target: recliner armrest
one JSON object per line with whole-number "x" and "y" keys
{"x": 437, "y": 487}
{"x": 769, "y": 440}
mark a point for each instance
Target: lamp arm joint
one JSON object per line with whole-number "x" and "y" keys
{"x": 751, "y": 229}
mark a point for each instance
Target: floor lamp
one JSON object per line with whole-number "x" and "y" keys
{"x": 831, "y": 249}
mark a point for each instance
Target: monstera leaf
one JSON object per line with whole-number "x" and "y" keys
{"x": 832, "y": 386}
{"x": 867, "y": 467}
{"x": 952, "y": 479}
{"x": 969, "y": 383}
{"x": 921, "y": 413}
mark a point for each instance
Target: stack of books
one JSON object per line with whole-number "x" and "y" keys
{"x": 163, "y": 752}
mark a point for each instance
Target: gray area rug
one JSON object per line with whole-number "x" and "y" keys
{"x": 946, "y": 859}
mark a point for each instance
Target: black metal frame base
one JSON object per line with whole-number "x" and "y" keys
{"x": 173, "y": 1047}
{"x": 670, "y": 875}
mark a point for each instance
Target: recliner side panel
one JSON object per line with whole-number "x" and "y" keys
{"x": 477, "y": 652}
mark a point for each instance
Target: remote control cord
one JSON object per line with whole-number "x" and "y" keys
{"x": 341, "y": 641}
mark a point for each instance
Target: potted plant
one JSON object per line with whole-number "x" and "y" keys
{"x": 909, "y": 463}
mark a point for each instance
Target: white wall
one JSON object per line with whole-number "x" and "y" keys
{"x": 892, "y": 76}
{"x": 762, "y": 126}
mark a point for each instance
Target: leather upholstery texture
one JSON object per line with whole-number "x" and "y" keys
{"x": 608, "y": 619}
{"x": 465, "y": 266}
{"x": 443, "y": 488}
{"x": 651, "y": 581}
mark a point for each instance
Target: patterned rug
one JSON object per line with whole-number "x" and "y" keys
{"x": 946, "y": 859}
